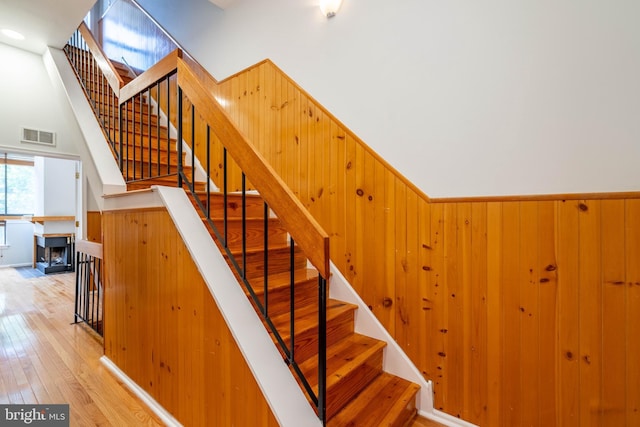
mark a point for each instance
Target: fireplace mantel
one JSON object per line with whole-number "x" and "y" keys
{"x": 43, "y": 219}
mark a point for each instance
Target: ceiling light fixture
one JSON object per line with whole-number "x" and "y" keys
{"x": 12, "y": 34}
{"x": 329, "y": 8}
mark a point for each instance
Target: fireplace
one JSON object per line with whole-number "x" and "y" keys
{"x": 54, "y": 254}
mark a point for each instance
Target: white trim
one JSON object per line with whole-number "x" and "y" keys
{"x": 287, "y": 401}
{"x": 141, "y": 199}
{"x": 146, "y": 398}
{"x": 101, "y": 170}
{"x": 23, "y": 264}
{"x": 445, "y": 419}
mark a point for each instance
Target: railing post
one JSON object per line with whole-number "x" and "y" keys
{"x": 292, "y": 305}
{"x": 120, "y": 142}
{"x": 77, "y": 296}
{"x": 179, "y": 141}
{"x": 322, "y": 349}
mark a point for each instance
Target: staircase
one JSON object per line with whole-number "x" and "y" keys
{"x": 358, "y": 391}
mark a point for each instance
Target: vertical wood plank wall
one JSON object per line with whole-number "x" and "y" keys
{"x": 163, "y": 329}
{"x": 521, "y": 312}
{"x": 94, "y": 226}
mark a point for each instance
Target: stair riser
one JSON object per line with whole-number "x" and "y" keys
{"x": 279, "y": 262}
{"x": 145, "y": 118}
{"x": 306, "y": 293}
{"x": 134, "y": 140}
{"x": 306, "y": 342}
{"x": 254, "y": 234}
{"x": 143, "y": 172}
{"x": 137, "y": 128}
{"x": 349, "y": 385}
{"x": 107, "y": 104}
{"x": 254, "y": 206}
{"x": 144, "y": 154}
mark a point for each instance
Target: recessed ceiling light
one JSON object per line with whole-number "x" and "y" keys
{"x": 12, "y": 34}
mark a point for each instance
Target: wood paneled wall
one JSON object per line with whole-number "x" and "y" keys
{"x": 527, "y": 313}
{"x": 163, "y": 329}
{"x": 94, "y": 226}
{"x": 521, "y": 312}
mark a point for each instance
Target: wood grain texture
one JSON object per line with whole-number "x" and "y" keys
{"x": 150, "y": 77}
{"x": 157, "y": 299}
{"x": 529, "y": 301}
{"x": 532, "y": 275}
{"x": 307, "y": 233}
{"x": 102, "y": 61}
{"x": 94, "y": 226}
{"x": 46, "y": 360}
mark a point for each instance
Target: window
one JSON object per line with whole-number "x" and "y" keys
{"x": 17, "y": 185}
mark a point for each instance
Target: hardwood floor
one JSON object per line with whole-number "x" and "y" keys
{"x": 45, "y": 359}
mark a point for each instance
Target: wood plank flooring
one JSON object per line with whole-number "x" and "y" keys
{"x": 45, "y": 359}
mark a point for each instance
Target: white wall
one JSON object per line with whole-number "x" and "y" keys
{"x": 463, "y": 97}
{"x": 55, "y": 193}
{"x": 19, "y": 249}
{"x": 29, "y": 100}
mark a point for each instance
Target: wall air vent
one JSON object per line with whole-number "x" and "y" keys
{"x": 34, "y": 136}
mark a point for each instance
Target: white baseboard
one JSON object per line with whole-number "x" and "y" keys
{"x": 24, "y": 264}
{"x": 157, "y": 409}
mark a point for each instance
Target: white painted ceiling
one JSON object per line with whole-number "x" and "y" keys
{"x": 42, "y": 22}
{"x": 222, "y": 3}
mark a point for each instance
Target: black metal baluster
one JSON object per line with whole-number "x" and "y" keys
{"x": 158, "y": 125}
{"x": 266, "y": 259}
{"x": 224, "y": 196}
{"x": 292, "y": 298}
{"x": 244, "y": 227}
{"x": 208, "y": 172}
{"x": 133, "y": 131}
{"x": 322, "y": 349}
{"x": 150, "y": 151}
{"x": 193, "y": 146}
{"x": 86, "y": 290}
{"x": 92, "y": 267}
{"x": 141, "y": 124}
{"x": 75, "y": 316}
{"x": 100, "y": 313}
{"x": 179, "y": 120}
{"x": 121, "y": 139}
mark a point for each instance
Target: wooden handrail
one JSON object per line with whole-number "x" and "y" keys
{"x": 163, "y": 68}
{"x": 108, "y": 70}
{"x": 90, "y": 248}
{"x": 303, "y": 227}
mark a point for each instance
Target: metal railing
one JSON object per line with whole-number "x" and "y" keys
{"x": 203, "y": 200}
{"x": 144, "y": 150}
{"x": 89, "y": 292}
{"x": 101, "y": 91}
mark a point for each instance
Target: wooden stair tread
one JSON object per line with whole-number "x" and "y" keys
{"x": 387, "y": 401}
{"x": 281, "y": 280}
{"x": 306, "y": 318}
{"x": 167, "y": 181}
{"x": 257, "y": 250}
{"x": 352, "y": 363}
{"x": 342, "y": 357}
